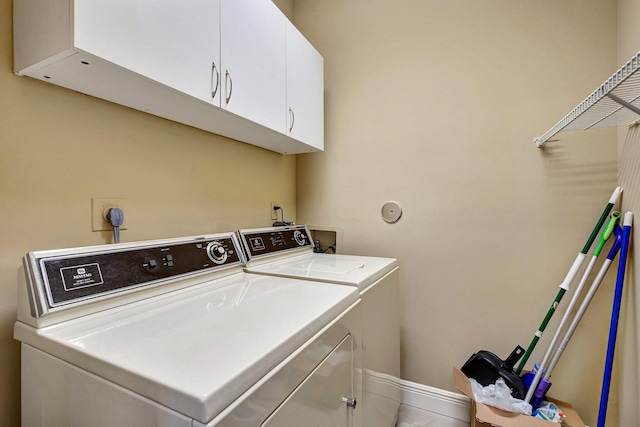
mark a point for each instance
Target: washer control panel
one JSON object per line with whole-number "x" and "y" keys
{"x": 262, "y": 242}
{"x": 81, "y": 276}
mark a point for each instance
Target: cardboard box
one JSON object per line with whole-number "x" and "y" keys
{"x": 484, "y": 416}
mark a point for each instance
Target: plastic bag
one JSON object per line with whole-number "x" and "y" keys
{"x": 499, "y": 396}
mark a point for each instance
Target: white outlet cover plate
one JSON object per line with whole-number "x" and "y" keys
{"x": 391, "y": 212}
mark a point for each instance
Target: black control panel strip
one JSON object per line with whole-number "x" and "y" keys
{"x": 78, "y": 277}
{"x": 262, "y": 242}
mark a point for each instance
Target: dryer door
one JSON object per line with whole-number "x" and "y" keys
{"x": 325, "y": 396}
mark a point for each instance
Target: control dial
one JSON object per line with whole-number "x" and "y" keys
{"x": 300, "y": 237}
{"x": 217, "y": 253}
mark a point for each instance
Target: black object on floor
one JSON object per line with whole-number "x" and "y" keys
{"x": 485, "y": 367}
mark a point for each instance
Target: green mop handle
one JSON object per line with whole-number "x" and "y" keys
{"x": 573, "y": 271}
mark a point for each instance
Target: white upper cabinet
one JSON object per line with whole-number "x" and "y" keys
{"x": 174, "y": 43}
{"x": 253, "y": 52}
{"x": 305, "y": 90}
{"x": 218, "y": 65}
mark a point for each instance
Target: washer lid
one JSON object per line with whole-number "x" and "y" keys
{"x": 350, "y": 270}
{"x": 196, "y": 350}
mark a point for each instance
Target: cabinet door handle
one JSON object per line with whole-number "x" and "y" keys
{"x": 229, "y": 84}
{"x": 214, "y": 69}
{"x": 292, "y": 118}
{"x": 350, "y": 401}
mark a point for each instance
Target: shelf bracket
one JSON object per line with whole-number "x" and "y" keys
{"x": 623, "y": 103}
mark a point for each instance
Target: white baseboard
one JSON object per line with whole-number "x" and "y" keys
{"x": 383, "y": 385}
{"x": 442, "y": 402}
{"x": 433, "y": 399}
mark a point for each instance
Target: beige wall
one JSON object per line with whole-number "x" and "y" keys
{"x": 627, "y": 364}
{"x": 435, "y": 104}
{"x": 58, "y": 149}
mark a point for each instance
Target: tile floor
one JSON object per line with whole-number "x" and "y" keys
{"x": 408, "y": 416}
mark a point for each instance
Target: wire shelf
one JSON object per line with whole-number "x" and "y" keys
{"x": 615, "y": 102}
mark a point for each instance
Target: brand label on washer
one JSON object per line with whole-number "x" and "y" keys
{"x": 257, "y": 244}
{"x": 81, "y": 276}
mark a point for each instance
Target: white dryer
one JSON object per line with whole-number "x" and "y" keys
{"x": 174, "y": 333}
{"x": 287, "y": 252}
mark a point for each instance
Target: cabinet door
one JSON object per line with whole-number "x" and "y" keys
{"x": 174, "y": 43}
{"x": 253, "y": 44}
{"x": 319, "y": 397}
{"x": 305, "y": 90}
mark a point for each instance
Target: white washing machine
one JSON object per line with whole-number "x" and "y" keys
{"x": 174, "y": 333}
{"x": 287, "y": 252}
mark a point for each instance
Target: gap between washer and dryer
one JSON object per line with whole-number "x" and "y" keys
{"x": 409, "y": 416}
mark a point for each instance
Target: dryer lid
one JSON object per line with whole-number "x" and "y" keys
{"x": 359, "y": 271}
{"x": 197, "y": 349}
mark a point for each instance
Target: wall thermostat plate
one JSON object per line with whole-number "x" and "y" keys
{"x": 391, "y": 212}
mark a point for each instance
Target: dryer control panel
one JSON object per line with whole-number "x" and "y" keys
{"x": 270, "y": 241}
{"x": 64, "y": 277}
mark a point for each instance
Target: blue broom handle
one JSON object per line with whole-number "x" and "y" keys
{"x": 615, "y": 315}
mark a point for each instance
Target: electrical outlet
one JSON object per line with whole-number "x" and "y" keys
{"x": 274, "y": 214}
{"x": 99, "y": 207}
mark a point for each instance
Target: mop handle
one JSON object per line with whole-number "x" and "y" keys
{"x": 612, "y": 201}
{"x": 566, "y": 283}
{"x": 585, "y": 303}
{"x": 609, "y": 229}
{"x": 615, "y": 315}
